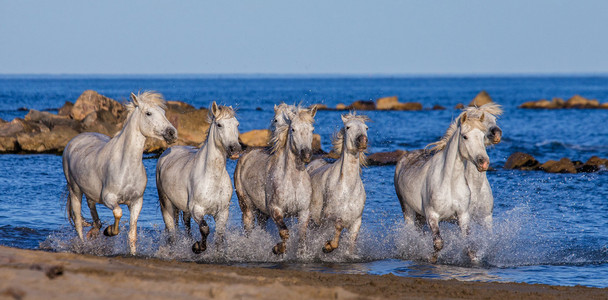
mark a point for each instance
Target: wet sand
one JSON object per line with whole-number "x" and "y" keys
{"x": 28, "y": 274}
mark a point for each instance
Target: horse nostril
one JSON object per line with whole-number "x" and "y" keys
{"x": 362, "y": 141}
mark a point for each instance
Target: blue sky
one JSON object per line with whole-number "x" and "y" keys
{"x": 303, "y": 37}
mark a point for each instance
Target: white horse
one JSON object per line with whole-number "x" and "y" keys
{"x": 110, "y": 171}
{"x": 482, "y": 200}
{"x": 434, "y": 185}
{"x": 196, "y": 181}
{"x": 276, "y": 183}
{"x": 338, "y": 195}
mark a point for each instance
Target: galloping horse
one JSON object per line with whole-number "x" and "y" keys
{"x": 196, "y": 181}
{"x": 110, "y": 171}
{"x": 338, "y": 194}
{"x": 276, "y": 183}
{"x": 434, "y": 185}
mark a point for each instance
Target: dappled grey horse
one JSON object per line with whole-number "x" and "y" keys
{"x": 338, "y": 194}
{"x": 195, "y": 181}
{"x": 275, "y": 182}
{"x": 110, "y": 170}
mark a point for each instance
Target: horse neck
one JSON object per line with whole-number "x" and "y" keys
{"x": 283, "y": 159}
{"x": 348, "y": 162}
{"x": 453, "y": 164}
{"x": 211, "y": 152}
{"x": 129, "y": 142}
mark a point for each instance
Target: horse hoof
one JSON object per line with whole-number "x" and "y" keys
{"x": 278, "y": 249}
{"x": 433, "y": 258}
{"x": 93, "y": 233}
{"x": 199, "y": 247}
{"x": 328, "y": 248}
{"x": 109, "y": 231}
{"x": 438, "y": 245}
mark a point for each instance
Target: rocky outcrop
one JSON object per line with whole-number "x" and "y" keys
{"x": 385, "y": 103}
{"x": 594, "y": 164}
{"x": 385, "y": 158}
{"x": 557, "y": 103}
{"x": 44, "y": 132}
{"x": 482, "y": 98}
{"x": 563, "y": 165}
{"x": 255, "y": 138}
{"x": 522, "y": 161}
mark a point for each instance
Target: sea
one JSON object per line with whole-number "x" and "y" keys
{"x": 548, "y": 228}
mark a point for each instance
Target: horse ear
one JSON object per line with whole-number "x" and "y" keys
{"x": 134, "y": 100}
{"x": 344, "y": 119}
{"x": 275, "y": 108}
{"x": 464, "y": 118}
{"x": 214, "y": 109}
{"x": 483, "y": 116}
{"x": 313, "y": 111}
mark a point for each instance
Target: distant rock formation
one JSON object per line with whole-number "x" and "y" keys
{"x": 557, "y": 103}
{"x": 524, "y": 161}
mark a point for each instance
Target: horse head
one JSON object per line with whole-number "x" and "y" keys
{"x": 299, "y": 134}
{"x": 354, "y": 133}
{"x": 471, "y": 143}
{"x": 225, "y": 128}
{"x": 150, "y": 107}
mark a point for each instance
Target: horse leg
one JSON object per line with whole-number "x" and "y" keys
{"x": 186, "y": 217}
{"x": 353, "y": 230}
{"x": 113, "y": 230}
{"x": 134, "y": 210}
{"x": 220, "y": 226}
{"x": 433, "y": 221}
{"x": 74, "y": 209}
{"x": 94, "y": 232}
{"x": 199, "y": 217}
{"x": 262, "y": 219}
{"x": 331, "y": 245}
{"x": 169, "y": 213}
{"x": 303, "y": 218}
{"x": 463, "y": 222}
{"x": 277, "y": 217}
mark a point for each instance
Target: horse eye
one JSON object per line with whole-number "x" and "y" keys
{"x": 465, "y": 137}
{"x": 293, "y": 130}
{"x": 148, "y": 113}
{"x": 219, "y": 125}
{"x": 347, "y": 127}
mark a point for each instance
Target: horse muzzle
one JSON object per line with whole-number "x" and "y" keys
{"x": 305, "y": 155}
{"x": 483, "y": 164}
{"x": 495, "y": 135}
{"x": 234, "y": 151}
{"x": 170, "y": 135}
{"x": 361, "y": 142}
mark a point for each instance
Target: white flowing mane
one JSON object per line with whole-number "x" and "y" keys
{"x": 473, "y": 118}
{"x": 278, "y": 137}
{"x": 150, "y": 97}
{"x": 337, "y": 140}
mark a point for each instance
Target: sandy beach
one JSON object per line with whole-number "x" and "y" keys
{"x": 29, "y": 274}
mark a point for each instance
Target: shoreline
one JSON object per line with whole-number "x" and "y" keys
{"x": 37, "y": 274}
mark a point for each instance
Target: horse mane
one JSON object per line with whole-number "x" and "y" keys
{"x": 224, "y": 112}
{"x": 337, "y": 140}
{"x": 150, "y": 97}
{"x": 473, "y": 115}
{"x": 278, "y": 137}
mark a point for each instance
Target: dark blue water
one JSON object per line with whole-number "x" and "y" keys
{"x": 548, "y": 228}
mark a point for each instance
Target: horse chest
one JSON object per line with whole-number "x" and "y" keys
{"x": 292, "y": 193}
{"x": 212, "y": 191}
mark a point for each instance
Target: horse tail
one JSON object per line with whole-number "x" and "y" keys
{"x": 65, "y": 197}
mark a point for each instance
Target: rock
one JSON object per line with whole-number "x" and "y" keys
{"x": 386, "y": 103}
{"x": 319, "y": 106}
{"x": 90, "y": 101}
{"x": 316, "y": 144}
{"x": 408, "y": 106}
{"x": 341, "y": 106}
{"x": 51, "y": 120}
{"x": 558, "y": 103}
{"x": 53, "y": 141}
{"x": 594, "y": 164}
{"x": 603, "y": 105}
{"x": 191, "y": 126}
{"x": 580, "y": 102}
{"x": 180, "y": 107}
{"x": 362, "y": 105}
{"x": 564, "y": 165}
{"x": 255, "y": 138}
{"x": 66, "y": 109}
{"x": 540, "y": 104}
{"x": 94, "y": 122}
{"x": 459, "y": 106}
{"x": 438, "y": 107}
{"x": 482, "y": 98}
{"x": 385, "y": 158}
{"x": 522, "y": 161}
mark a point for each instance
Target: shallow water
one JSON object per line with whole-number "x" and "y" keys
{"x": 548, "y": 228}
